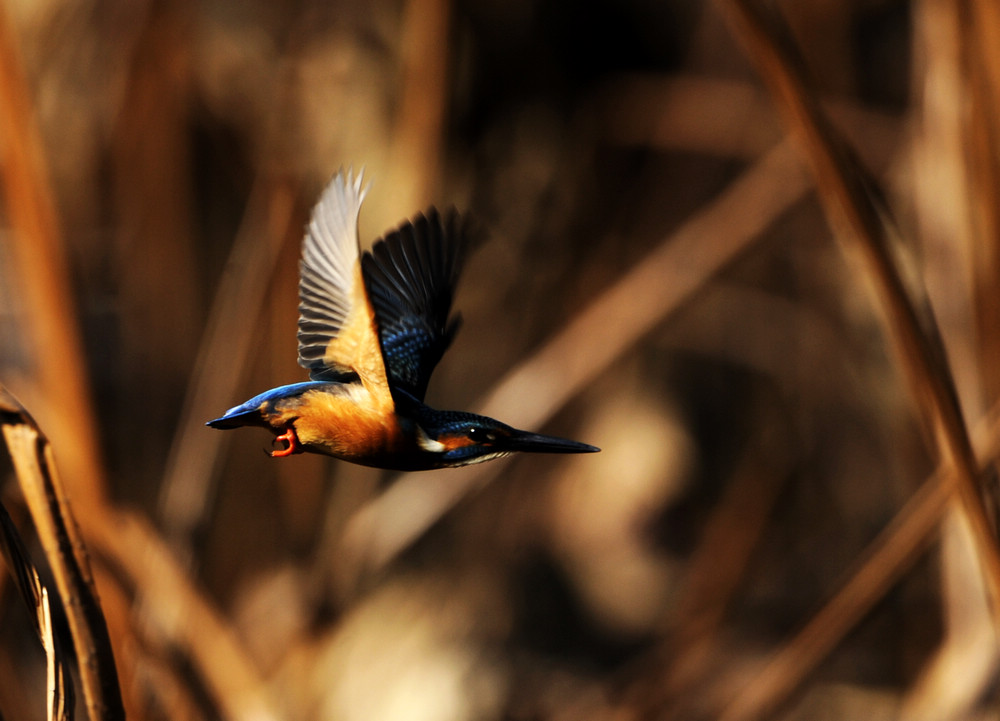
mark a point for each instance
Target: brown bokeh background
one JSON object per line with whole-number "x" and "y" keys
{"x": 660, "y": 280}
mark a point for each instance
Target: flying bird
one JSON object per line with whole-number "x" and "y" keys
{"x": 372, "y": 327}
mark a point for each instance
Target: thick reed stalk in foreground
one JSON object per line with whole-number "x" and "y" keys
{"x": 59, "y": 690}
{"x": 67, "y": 557}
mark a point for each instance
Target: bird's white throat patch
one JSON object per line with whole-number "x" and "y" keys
{"x": 429, "y": 444}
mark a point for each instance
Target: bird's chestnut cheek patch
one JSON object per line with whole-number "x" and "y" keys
{"x": 454, "y": 442}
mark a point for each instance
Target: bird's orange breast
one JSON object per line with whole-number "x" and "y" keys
{"x": 352, "y": 425}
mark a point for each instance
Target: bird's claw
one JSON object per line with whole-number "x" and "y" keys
{"x": 293, "y": 444}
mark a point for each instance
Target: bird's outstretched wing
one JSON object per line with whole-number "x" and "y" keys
{"x": 337, "y": 337}
{"x": 410, "y": 276}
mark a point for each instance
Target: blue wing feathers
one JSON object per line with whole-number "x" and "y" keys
{"x": 410, "y": 277}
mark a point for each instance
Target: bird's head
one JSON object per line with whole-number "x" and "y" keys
{"x": 455, "y": 438}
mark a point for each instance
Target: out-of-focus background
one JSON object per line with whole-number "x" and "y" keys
{"x": 660, "y": 280}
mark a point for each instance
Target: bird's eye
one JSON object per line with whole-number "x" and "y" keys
{"x": 480, "y": 435}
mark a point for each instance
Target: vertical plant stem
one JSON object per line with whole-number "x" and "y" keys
{"x": 980, "y": 57}
{"x": 40, "y": 267}
{"x": 415, "y": 161}
{"x": 155, "y": 233}
{"x": 849, "y": 201}
{"x": 187, "y": 486}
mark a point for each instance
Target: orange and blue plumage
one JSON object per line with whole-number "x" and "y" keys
{"x": 372, "y": 327}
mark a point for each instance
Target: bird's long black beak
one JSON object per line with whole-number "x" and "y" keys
{"x": 526, "y": 442}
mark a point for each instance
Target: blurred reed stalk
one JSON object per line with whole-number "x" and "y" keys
{"x": 849, "y": 197}
{"x": 39, "y": 254}
{"x": 413, "y": 169}
{"x": 188, "y": 484}
{"x": 155, "y": 234}
{"x": 979, "y": 48}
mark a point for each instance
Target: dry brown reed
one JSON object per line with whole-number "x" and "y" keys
{"x": 850, "y": 198}
{"x": 41, "y": 275}
{"x": 58, "y": 688}
{"x": 68, "y": 561}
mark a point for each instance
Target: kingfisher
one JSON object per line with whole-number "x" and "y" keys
{"x": 372, "y": 327}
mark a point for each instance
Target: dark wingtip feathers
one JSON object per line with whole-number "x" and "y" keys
{"x": 410, "y": 275}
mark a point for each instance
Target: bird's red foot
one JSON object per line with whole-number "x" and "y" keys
{"x": 293, "y": 444}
